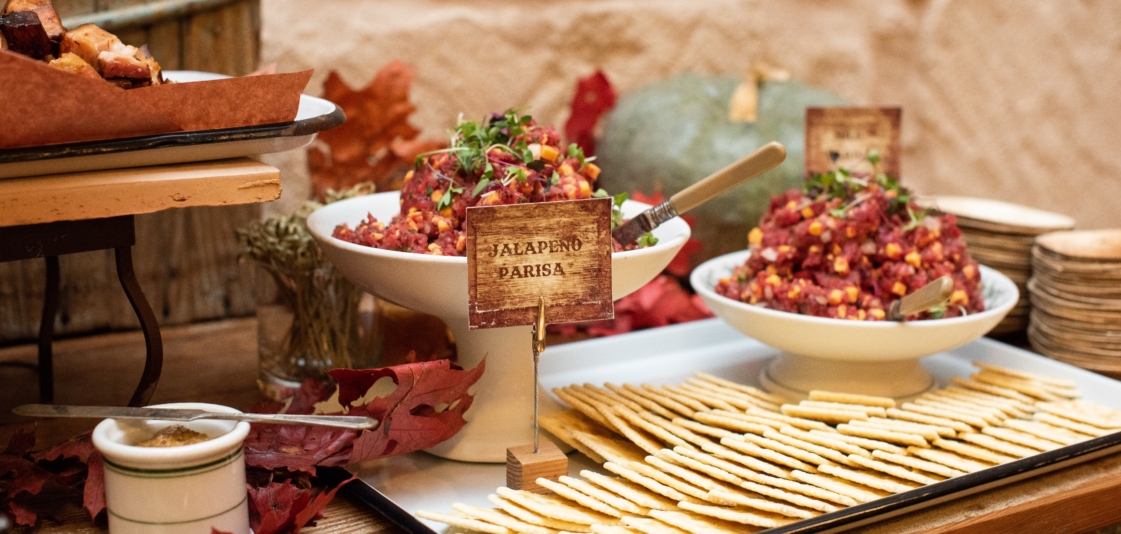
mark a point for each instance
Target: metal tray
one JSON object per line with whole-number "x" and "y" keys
{"x": 400, "y": 485}
{"x": 315, "y": 115}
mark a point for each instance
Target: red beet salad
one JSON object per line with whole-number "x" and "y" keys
{"x": 507, "y": 159}
{"x": 845, "y": 246}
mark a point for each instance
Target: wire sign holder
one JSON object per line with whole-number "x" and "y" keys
{"x": 538, "y": 264}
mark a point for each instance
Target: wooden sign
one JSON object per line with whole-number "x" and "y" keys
{"x": 841, "y": 138}
{"x": 557, "y": 250}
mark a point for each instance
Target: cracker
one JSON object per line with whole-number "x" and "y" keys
{"x": 927, "y": 419}
{"x": 754, "y": 392}
{"x": 646, "y": 482}
{"x": 793, "y": 498}
{"x": 652, "y": 526}
{"x": 866, "y": 443}
{"x": 663, "y": 391}
{"x": 662, "y": 400}
{"x": 501, "y": 518}
{"x": 528, "y": 516}
{"x": 701, "y": 428}
{"x": 746, "y": 499}
{"x": 463, "y": 521}
{"x": 915, "y": 463}
{"x": 850, "y": 398}
{"x": 728, "y": 514}
{"x": 679, "y": 431}
{"x": 556, "y": 508}
{"x": 703, "y": 397}
{"x": 796, "y": 422}
{"x": 583, "y": 407}
{"x": 783, "y": 448}
{"x": 1081, "y": 428}
{"x": 991, "y": 389}
{"x": 989, "y": 399}
{"x": 833, "y": 484}
{"x": 655, "y": 430}
{"x": 610, "y": 449}
{"x": 669, "y": 481}
{"x": 824, "y": 452}
{"x": 868, "y": 410}
{"x": 1025, "y": 375}
{"x": 943, "y": 431}
{"x": 893, "y": 470}
{"x": 948, "y": 459}
{"x": 744, "y": 423}
{"x": 825, "y": 415}
{"x": 1045, "y": 431}
{"x": 640, "y": 438}
{"x": 701, "y": 524}
{"x": 605, "y": 529}
{"x": 950, "y": 415}
{"x": 712, "y": 471}
{"x": 612, "y": 500}
{"x": 1015, "y": 384}
{"x": 733, "y": 462}
{"x": 767, "y": 454}
{"x": 732, "y": 393}
{"x": 563, "y": 425}
{"x": 629, "y": 491}
{"x": 947, "y": 400}
{"x": 983, "y": 414}
{"x": 882, "y": 435}
{"x": 741, "y": 476}
{"x": 867, "y": 479}
{"x": 641, "y": 401}
{"x": 735, "y": 400}
{"x": 578, "y": 497}
{"x": 824, "y": 440}
{"x": 1022, "y": 438}
{"x": 998, "y": 445}
{"x": 972, "y": 451}
{"x": 1066, "y": 410}
{"x": 608, "y": 397}
{"x": 927, "y": 434}
{"x": 666, "y": 462}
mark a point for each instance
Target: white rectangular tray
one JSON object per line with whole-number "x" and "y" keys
{"x": 401, "y": 485}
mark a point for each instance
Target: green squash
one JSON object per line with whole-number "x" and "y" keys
{"x": 670, "y": 134}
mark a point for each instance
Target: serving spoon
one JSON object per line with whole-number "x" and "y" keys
{"x": 926, "y": 297}
{"x": 182, "y": 414}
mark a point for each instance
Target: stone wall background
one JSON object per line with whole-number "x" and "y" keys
{"x": 1019, "y": 101}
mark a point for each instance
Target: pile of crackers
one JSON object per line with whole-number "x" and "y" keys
{"x": 711, "y": 455}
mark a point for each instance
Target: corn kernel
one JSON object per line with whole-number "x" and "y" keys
{"x": 461, "y": 243}
{"x": 434, "y": 249}
{"x": 784, "y": 248}
{"x": 771, "y": 269}
{"x": 968, "y": 271}
{"x": 411, "y": 224}
{"x": 773, "y": 280}
{"x": 959, "y": 297}
{"x": 437, "y": 195}
{"x": 842, "y": 310}
{"x": 441, "y": 223}
{"x": 850, "y": 232}
{"x": 913, "y": 258}
{"x": 891, "y": 194}
{"x": 591, "y": 170}
{"x": 877, "y": 313}
{"x": 836, "y": 248}
{"x": 447, "y": 213}
{"x": 377, "y": 236}
{"x": 899, "y": 288}
{"x": 851, "y": 293}
{"x": 409, "y": 175}
{"x": 794, "y": 292}
{"x": 861, "y": 315}
{"x": 815, "y": 228}
{"x": 892, "y": 251}
{"x": 755, "y": 236}
{"x": 565, "y": 169}
{"x": 841, "y": 265}
{"x": 792, "y": 205}
{"x": 549, "y": 153}
{"x": 807, "y": 212}
{"x": 724, "y": 281}
{"x": 835, "y": 297}
{"x": 585, "y": 189}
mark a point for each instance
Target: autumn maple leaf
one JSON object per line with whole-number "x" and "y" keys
{"x": 283, "y": 507}
{"x": 594, "y": 97}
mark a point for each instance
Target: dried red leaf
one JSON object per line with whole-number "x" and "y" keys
{"x": 594, "y": 97}
{"x": 93, "y": 494}
{"x": 425, "y": 409}
{"x": 297, "y": 448}
{"x": 659, "y": 303}
{"x": 69, "y": 463}
{"x": 22, "y": 514}
{"x": 21, "y": 443}
{"x": 283, "y": 508}
{"x": 376, "y": 143}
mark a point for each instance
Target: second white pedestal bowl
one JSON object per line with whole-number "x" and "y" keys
{"x": 872, "y": 358}
{"x": 502, "y": 411}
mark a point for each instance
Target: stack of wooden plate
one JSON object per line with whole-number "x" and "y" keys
{"x": 1076, "y": 298}
{"x": 1000, "y": 235}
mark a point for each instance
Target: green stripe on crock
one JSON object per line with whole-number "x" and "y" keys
{"x": 173, "y": 473}
{"x": 234, "y": 507}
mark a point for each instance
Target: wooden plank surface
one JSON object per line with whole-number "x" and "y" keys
{"x": 217, "y": 362}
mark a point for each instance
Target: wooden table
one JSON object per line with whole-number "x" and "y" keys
{"x": 217, "y": 362}
{"x": 48, "y": 216}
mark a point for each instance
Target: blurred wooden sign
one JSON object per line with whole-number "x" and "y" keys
{"x": 557, "y": 250}
{"x": 841, "y": 138}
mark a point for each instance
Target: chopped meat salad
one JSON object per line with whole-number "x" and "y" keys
{"x": 845, "y": 246}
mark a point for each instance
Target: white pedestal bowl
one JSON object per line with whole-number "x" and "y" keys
{"x": 871, "y": 358}
{"x": 501, "y": 415}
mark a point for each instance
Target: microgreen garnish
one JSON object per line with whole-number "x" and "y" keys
{"x": 446, "y": 200}
{"x": 576, "y": 152}
{"x": 482, "y": 185}
{"x": 842, "y": 184}
{"x": 617, "y": 209}
{"x": 647, "y": 240}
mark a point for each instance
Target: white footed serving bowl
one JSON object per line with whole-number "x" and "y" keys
{"x": 501, "y": 415}
{"x": 873, "y": 358}
{"x": 175, "y": 490}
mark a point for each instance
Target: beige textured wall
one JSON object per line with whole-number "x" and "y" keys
{"x": 1012, "y": 100}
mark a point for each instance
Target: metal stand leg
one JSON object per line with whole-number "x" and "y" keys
{"x": 46, "y": 332}
{"x": 153, "y": 364}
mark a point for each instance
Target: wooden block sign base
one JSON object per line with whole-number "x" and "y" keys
{"x": 523, "y": 467}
